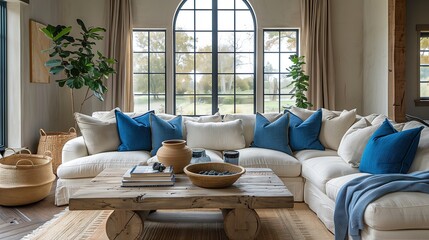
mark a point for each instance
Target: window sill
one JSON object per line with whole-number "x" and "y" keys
{"x": 421, "y": 103}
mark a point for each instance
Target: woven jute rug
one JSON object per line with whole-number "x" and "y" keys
{"x": 282, "y": 224}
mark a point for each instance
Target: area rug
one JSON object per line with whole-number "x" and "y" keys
{"x": 278, "y": 224}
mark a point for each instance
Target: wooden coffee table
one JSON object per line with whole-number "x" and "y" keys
{"x": 257, "y": 188}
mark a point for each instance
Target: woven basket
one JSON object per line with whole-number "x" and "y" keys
{"x": 25, "y": 178}
{"x": 211, "y": 181}
{"x": 54, "y": 142}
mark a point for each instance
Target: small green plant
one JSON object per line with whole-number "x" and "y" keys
{"x": 75, "y": 58}
{"x": 299, "y": 81}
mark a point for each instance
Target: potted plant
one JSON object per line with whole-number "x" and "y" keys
{"x": 76, "y": 58}
{"x": 299, "y": 81}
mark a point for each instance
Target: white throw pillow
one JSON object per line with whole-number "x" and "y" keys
{"x": 216, "y": 136}
{"x": 334, "y": 127}
{"x": 100, "y": 135}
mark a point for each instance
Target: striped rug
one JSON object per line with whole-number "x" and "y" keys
{"x": 277, "y": 224}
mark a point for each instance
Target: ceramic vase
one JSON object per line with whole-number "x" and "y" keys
{"x": 175, "y": 153}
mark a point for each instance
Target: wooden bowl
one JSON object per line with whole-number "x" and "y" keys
{"x": 213, "y": 181}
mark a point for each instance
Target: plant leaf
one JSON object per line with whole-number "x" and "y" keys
{"x": 63, "y": 32}
{"x": 53, "y": 63}
{"x": 81, "y": 24}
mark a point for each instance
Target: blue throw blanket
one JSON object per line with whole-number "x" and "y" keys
{"x": 354, "y": 197}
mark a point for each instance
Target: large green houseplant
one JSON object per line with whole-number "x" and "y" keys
{"x": 299, "y": 81}
{"x": 75, "y": 57}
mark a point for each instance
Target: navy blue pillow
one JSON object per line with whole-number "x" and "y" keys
{"x": 305, "y": 134}
{"x": 390, "y": 151}
{"x": 272, "y": 135}
{"x": 134, "y": 133}
{"x": 164, "y": 130}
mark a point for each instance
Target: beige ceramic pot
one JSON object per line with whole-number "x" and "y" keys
{"x": 175, "y": 153}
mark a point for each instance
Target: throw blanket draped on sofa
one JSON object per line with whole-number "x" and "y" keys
{"x": 354, "y": 197}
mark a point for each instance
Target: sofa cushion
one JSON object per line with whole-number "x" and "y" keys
{"x": 201, "y": 119}
{"x": 249, "y": 123}
{"x": 91, "y": 166}
{"x": 134, "y": 133}
{"x": 162, "y": 130}
{"x": 320, "y": 170}
{"x": 335, "y": 126}
{"x": 309, "y": 153}
{"x": 216, "y": 136}
{"x": 421, "y": 160}
{"x": 272, "y": 135}
{"x": 281, "y": 163}
{"x": 334, "y": 185}
{"x": 390, "y": 151}
{"x": 304, "y": 134}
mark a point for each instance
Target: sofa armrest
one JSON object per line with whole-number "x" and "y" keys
{"x": 74, "y": 148}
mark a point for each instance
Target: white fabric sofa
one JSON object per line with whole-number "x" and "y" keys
{"x": 312, "y": 176}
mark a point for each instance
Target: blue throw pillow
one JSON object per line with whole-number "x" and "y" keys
{"x": 272, "y": 135}
{"x": 164, "y": 130}
{"x": 390, "y": 151}
{"x": 305, "y": 134}
{"x": 134, "y": 133}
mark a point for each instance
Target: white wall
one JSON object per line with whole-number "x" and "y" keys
{"x": 417, "y": 13}
{"x": 375, "y": 56}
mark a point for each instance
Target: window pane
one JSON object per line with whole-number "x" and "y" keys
{"x": 271, "y": 103}
{"x": 204, "y": 105}
{"x": 244, "y": 104}
{"x": 203, "y": 20}
{"x": 225, "y": 4}
{"x": 157, "y": 41}
{"x": 184, "y": 41}
{"x": 185, "y": 20}
{"x": 225, "y": 83}
{"x": 225, "y": 20}
{"x": 244, "y": 42}
{"x": 184, "y": 62}
{"x": 288, "y": 41}
{"x": 204, "y": 62}
{"x": 424, "y": 57}
{"x": 424, "y": 89}
{"x": 157, "y": 62}
{"x": 239, "y": 4}
{"x": 244, "y": 63}
{"x": 285, "y": 81}
{"x": 285, "y": 62}
{"x": 244, "y": 84}
{"x": 226, "y": 104}
{"x": 271, "y": 62}
{"x": 271, "y": 41}
{"x": 424, "y": 43}
{"x": 140, "y": 41}
{"x": 184, "y": 83}
{"x": 226, "y": 42}
{"x": 203, "y": 4}
{"x": 204, "y": 41}
{"x": 185, "y": 105}
{"x": 140, "y": 83}
{"x": 141, "y": 103}
{"x": 226, "y": 62}
{"x": 189, "y": 4}
{"x": 244, "y": 20}
{"x": 286, "y": 101}
{"x": 157, "y": 103}
{"x": 424, "y": 73}
{"x": 157, "y": 83}
{"x": 140, "y": 62}
{"x": 271, "y": 84}
{"x": 204, "y": 83}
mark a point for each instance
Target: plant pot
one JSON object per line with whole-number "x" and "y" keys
{"x": 175, "y": 153}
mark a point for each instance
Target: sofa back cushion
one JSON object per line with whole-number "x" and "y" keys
{"x": 215, "y": 135}
{"x": 421, "y": 160}
{"x": 201, "y": 119}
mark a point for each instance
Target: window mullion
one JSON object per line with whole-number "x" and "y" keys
{"x": 215, "y": 104}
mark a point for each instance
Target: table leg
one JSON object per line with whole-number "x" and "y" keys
{"x": 123, "y": 224}
{"x": 241, "y": 223}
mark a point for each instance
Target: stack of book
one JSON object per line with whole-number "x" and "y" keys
{"x": 146, "y": 176}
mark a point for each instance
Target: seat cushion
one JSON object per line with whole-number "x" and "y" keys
{"x": 91, "y": 166}
{"x": 308, "y": 154}
{"x": 333, "y": 186}
{"x": 320, "y": 170}
{"x": 281, "y": 163}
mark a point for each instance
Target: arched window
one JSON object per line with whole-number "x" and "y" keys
{"x": 214, "y": 56}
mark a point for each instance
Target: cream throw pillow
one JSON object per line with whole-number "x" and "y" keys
{"x": 335, "y": 126}
{"x": 100, "y": 135}
{"x": 216, "y": 136}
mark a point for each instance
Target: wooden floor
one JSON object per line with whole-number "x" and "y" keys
{"x": 16, "y": 222}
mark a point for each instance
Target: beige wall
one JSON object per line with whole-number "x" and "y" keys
{"x": 417, "y": 13}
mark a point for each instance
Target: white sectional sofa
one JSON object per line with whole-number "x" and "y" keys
{"x": 313, "y": 176}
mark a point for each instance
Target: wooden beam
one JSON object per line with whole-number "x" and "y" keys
{"x": 396, "y": 59}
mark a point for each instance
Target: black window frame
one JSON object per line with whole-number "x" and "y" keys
{"x": 214, "y": 52}
{"x": 3, "y": 73}
{"x": 149, "y": 73}
{"x": 281, "y": 71}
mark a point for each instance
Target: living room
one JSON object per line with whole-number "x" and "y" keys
{"x": 224, "y": 57}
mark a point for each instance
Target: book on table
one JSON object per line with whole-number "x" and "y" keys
{"x": 147, "y": 178}
{"x": 146, "y": 171}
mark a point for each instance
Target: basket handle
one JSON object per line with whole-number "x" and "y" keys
{"x": 25, "y": 150}
{"x": 42, "y": 132}
{"x": 72, "y": 129}
{"x": 24, "y": 160}
{"x": 47, "y": 154}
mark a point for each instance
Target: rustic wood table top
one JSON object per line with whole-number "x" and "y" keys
{"x": 257, "y": 188}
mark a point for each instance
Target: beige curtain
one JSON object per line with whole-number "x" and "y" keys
{"x": 120, "y": 44}
{"x": 317, "y": 49}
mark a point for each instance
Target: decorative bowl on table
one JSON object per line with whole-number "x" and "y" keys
{"x": 213, "y": 174}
